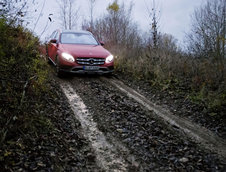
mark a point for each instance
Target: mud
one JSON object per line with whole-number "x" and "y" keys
{"x": 108, "y": 155}
{"x": 197, "y": 133}
{"x": 177, "y": 99}
{"x": 150, "y": 143}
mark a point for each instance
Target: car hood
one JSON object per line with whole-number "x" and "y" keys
{"x": 84, "y": 50}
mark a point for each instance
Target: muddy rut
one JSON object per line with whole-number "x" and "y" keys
{"x": 107, "y": 154}
{"x": 128, "y": 135}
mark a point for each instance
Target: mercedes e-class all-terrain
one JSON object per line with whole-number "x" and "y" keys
{"x": 78, "y": 52}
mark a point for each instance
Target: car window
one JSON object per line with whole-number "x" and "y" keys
{"x": 78, "y": 38}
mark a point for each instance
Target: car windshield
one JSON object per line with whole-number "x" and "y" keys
{"x": 78, "y": 38}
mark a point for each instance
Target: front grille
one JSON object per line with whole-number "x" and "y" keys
{"x": 90, "y": 61}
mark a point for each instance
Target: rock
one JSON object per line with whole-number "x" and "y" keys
{"x": 184, "y": 160}
{"x": 119, "y": 130}
{"x": 41, "y": 164}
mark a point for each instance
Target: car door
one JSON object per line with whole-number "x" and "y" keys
{"x": 53, "y": 46}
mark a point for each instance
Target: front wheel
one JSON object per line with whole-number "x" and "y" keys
{"x": 48, "y": 60}
{"x": 59, "y": 72}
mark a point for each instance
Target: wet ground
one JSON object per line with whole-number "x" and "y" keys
{"x": 59, "y": 146}
{"x": 177, "y": 100}
{"x": 132, "y": 134}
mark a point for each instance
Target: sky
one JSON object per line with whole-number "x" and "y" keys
{"x": 174, "y": 15}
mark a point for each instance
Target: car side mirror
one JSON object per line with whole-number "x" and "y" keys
{"x": 53, "y": 41}
{"x": 101, "y": 43}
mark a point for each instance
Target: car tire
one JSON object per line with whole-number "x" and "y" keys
{"x": 48, "y": 60}
{"x": 59, "y": 72}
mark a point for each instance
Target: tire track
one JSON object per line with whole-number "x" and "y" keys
{"x": 199, "y": 134}
{"x": 108, "y": 158}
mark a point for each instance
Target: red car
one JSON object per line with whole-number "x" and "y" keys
{"x": 78, "y": 52}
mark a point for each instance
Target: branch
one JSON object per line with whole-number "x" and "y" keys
{"x": 39, "y": 15}
{"x": 24, "y": 90}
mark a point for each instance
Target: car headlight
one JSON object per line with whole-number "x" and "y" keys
{"x": 109, "y": 59}
{"x": 68, "y": 57}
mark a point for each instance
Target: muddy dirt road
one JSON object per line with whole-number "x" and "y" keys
{"x": 129, "y": 133}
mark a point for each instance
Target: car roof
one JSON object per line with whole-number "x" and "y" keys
{"x": 76, "y": 31}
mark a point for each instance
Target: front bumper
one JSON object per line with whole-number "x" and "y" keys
{"x": 80, "y": 70}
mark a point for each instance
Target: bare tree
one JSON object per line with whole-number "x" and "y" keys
{"x": 168, "y": 43}
{"x": 119, "y": 24}
{"x": 92, "y": 5}
{"x": 154, "y": 17}
{"x": 118, "y": 31}
{"x": 114, "y": 19}
{"x": 207, "y": 37}
{"x": 206, "y": 41}
{"x": 40, "y": 14}
{"x": 68, "y": 13}
{"x": 13, "y": 10}
{"x": 154, "y": 25}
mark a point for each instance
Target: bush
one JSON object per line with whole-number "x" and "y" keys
{"x": 203, "y": 79}
{"x": 23, "y": 77}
